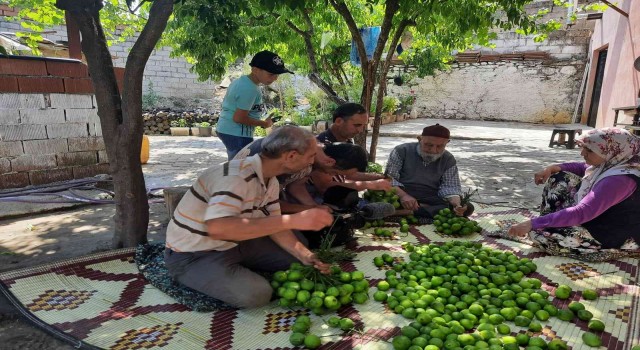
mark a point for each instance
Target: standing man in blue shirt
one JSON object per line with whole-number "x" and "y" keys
{"x": 242, "y": 107}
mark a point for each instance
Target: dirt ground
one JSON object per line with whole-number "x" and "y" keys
{"x": 56, "y": 236}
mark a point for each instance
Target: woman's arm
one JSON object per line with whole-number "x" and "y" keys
{"x": 605, "y": 194}
{"x": 543, "y": 175}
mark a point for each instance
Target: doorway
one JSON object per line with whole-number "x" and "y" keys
{"x": 597, "y": 88}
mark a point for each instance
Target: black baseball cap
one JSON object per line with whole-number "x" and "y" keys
{"x": 270, "y": 62}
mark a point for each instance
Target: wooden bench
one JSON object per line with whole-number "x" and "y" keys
{"x": 625, "y": 110}
{"x": 566, "y": 136}
{"x": 634, "y": 127}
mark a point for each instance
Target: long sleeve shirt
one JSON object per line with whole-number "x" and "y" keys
{"x": 449, "y": 183}
{"x": 604, "y": 194}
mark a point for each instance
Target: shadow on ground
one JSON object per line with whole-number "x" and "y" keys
{"x": 57, "y": 236}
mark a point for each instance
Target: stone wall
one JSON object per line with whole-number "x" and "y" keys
{"x": 49, "y": 126}
{"x": 165, "y": 77}
{"x": 541, "y": 90}
{"x": 515, "y": 91}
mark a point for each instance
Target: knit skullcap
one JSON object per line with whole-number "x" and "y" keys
{"x": 436, "y": 131}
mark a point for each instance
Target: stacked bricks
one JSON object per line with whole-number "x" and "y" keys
{"x": 47, "y": 75}
{"x": 49, "y": 126}
{"x": 8, "y": 11}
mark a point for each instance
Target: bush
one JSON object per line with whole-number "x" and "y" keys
{"x": 180, "y": 123}
{"x": 260, "y": 131}
{"x": 390, "y": 104}
{"x": 406, "y": 102}
{"x": 205, "y": 124}
{"x": 150, "y": 99}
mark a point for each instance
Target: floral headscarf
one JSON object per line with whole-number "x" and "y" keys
{"x": 620, "y": 150}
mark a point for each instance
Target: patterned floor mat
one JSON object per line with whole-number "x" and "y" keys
{"x": 102, "y": 301}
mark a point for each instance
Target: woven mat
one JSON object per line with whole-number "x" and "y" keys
{"x": 102, "y": 301}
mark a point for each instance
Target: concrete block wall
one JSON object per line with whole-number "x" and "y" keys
{"x": 525, "y": 91}
{"x": 164, "y": 76}
{"x": 539, "y": 91}
{"x": 568, "y": 43}
{"x": 47, "y": 132}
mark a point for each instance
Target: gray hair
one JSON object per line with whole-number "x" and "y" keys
{"x": 286, "y": 138}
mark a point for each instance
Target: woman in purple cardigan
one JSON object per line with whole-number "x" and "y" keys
{"x": 590, "y": 211}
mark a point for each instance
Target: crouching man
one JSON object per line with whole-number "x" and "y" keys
{"x": 228, "y": 226}
{"x": 425, "y": 174}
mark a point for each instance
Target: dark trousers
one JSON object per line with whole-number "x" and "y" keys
{"x": 230, "y": 275}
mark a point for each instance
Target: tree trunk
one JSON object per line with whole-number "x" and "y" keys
{"x": 121, "y": 117}
{"x": 369, "y": 67}
{"x": 382, "y": 86}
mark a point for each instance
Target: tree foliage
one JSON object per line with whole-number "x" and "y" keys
{"x": 208, "y": 33}
{"x": 315, "y": 37}
{"x": 121, "y": 112}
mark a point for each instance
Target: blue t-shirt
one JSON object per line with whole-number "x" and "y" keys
{"x": 242, "y": 94}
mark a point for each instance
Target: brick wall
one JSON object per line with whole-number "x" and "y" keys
{"x": 7, "y": 11}
{"x": 49, "y": 126}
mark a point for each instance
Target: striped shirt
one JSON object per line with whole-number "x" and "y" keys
{"x": 236, "y": 188}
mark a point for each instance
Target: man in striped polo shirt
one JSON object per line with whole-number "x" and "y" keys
{"x": 229, "y": 224}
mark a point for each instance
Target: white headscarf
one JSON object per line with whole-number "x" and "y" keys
{"x": 620, "y": 150}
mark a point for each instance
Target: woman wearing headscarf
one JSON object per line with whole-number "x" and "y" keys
{"x": 590, "y": 210}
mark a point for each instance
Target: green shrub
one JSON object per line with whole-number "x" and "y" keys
{"x": 390, "y": 104}
{"x": 151, "y": 98}
{"x": 260, "y": 131}
{"x": 180, "y": 123}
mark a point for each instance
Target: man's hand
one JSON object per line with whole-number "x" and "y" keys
{"x": 408, "y": 202}
{"x": 267, "y": 123}
{"x": 379, "y": 185}
{"x": 312, "y": 260}
{"x": 521, "y": 229}
{"x": 460, "y": 209}
{"x": 312, "y": 219}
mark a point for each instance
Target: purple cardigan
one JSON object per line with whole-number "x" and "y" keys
{"x": 604, "y": 194}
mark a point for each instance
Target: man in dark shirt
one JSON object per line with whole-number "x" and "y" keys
{"x": 349, "y": 120}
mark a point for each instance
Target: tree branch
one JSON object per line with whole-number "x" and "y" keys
{"x": 295, "y": 28}
{"x": 307, "y": 19}
{"x": 308, "y": 45}
{"x": 139, "y": 55}
{"x": 333, "y": 96}
{"x": 382, "y": 84}
{"x": 343, "y": 10}
{"x": 149, "y": 37}
{"x": 392, "y": 6}
{"x": 314, "y": 76}
{"x": 133, "y": 11}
